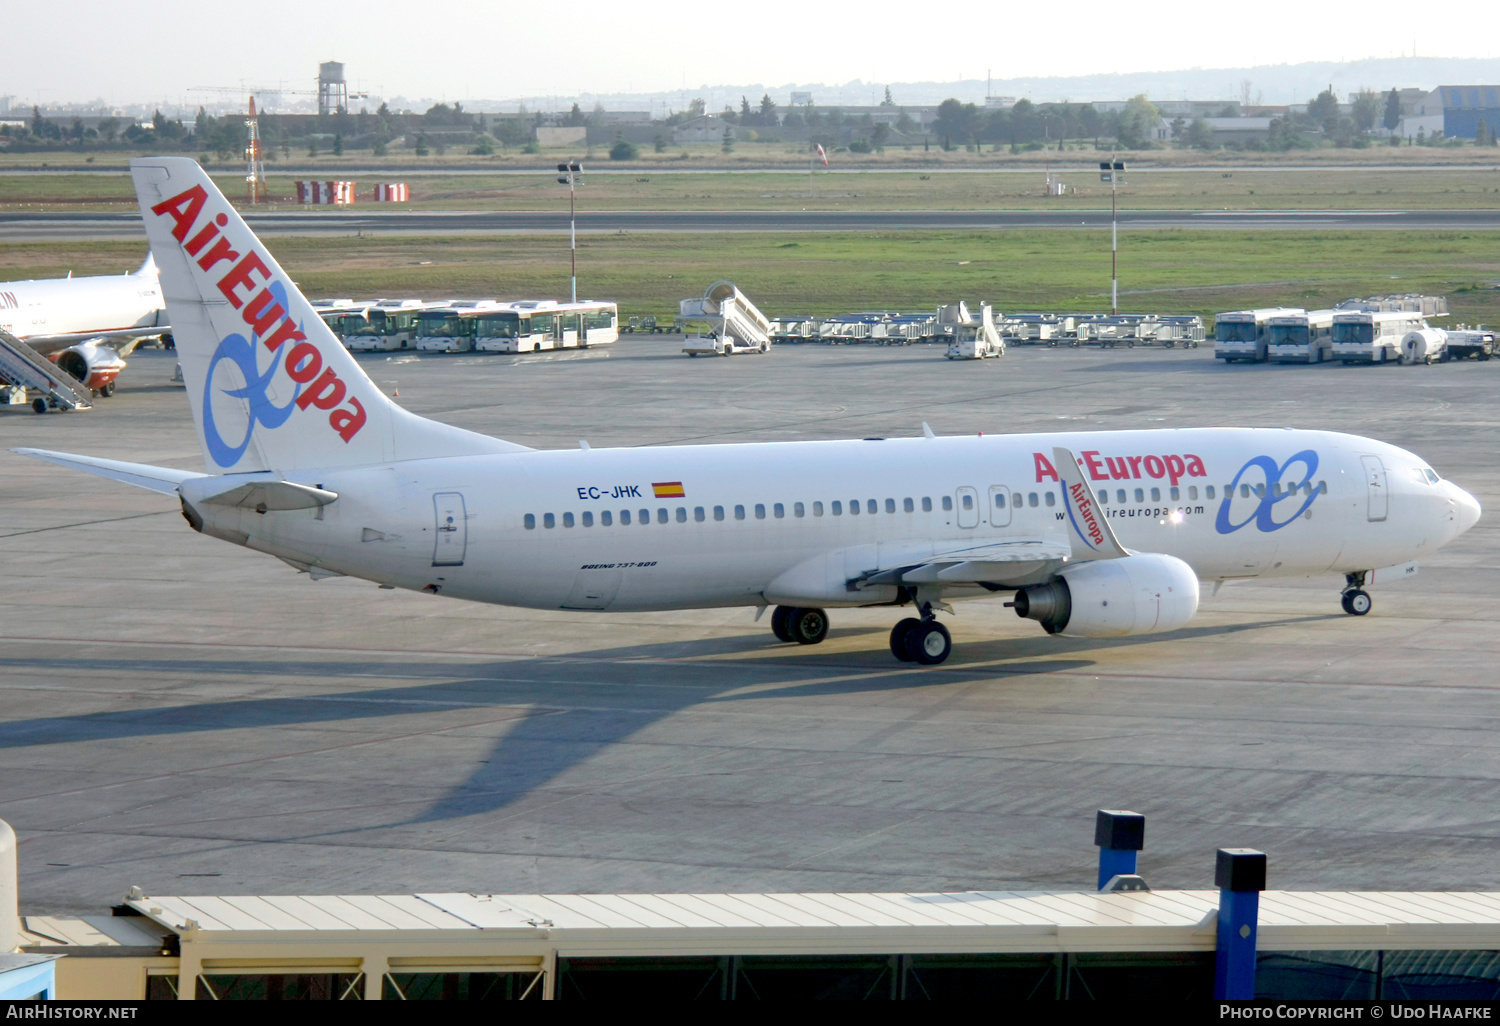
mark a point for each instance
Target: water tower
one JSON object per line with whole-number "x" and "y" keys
{"x": 333, "y": 92}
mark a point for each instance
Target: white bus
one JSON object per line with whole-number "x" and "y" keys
{"x": 1304, "y": 337}
{"x": 532, "y": 325}
{"x": 449, "y": 329}
{"x": 1241, "y": 334}
{"x": 387, "y": 326}
{"x": 1363, "y": 337}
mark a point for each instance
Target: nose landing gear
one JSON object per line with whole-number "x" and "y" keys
{"x": 1355, "y": 600}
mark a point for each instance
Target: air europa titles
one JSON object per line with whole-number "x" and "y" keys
{"x": 1172, "y": 467}
{"x": 265, "y": 315}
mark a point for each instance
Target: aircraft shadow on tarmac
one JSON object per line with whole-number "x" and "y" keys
{"x": 567, "y": 708}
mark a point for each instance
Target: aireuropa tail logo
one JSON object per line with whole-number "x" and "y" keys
{"x": 267, "y": 314}
{"x": 1262, "y": 487}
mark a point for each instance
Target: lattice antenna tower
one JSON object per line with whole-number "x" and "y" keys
{"x": 255, "y": 164}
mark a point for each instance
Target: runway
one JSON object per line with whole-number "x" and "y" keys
{"x": 21, "y": 226}
{"x": 189, "y": 716}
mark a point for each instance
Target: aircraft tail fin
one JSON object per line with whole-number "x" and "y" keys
{"x": 148, "y": 267}
{"x": 271, "y": 387}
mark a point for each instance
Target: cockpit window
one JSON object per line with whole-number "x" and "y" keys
{"x": 1427, "y": 474}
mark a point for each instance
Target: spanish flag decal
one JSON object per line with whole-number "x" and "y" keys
{"x": 668, "y": 490}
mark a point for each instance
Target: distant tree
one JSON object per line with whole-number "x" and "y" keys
{"x": 1482, "y": 133}
{"x": 696, "y": 107}
{"x": 745, "y": 113}
{"x": 659, "y": 144}
{"x": 768, "y": 110}
{"x": 338, "y": 144}
{"x": 880, "y": 135}
{"x": 1136, "y": 122}
{"x": 575, "y": 116}
{"x": 887, "y": 102}
{"x": 728, "y": 145}
{"x": 37, "y": 121}
{"x": 905, "y": 123}
{"x": 1392, "y": 109}
{"x": 1366, "y": 109}
{"x": 623, "y": 149}
{"x": 202, "y": 126}
{"x": 380, "y": 148}
{"x": 598, "y": 115}
{"x": 312, "y": 147}
{"x": 108, "y": 128}
{"x": 1179, "y": 129}
{"x": 956, "y": 123}
{"x": 383, "y": 111}
{"x": 484, "y": 146}
{"x": 1324, "y": 109}
{"x": 77, "y": 130}
{"x": 422, "y": 148}
{"x": 1200, "y": 135}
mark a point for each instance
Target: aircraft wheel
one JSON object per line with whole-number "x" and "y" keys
{"x": 1169, "y": 345}
{"x": 807, "y": 626}
{"x": 1130, "y": 344}
{"x": 779, "y": 620}
{"x": 105, "y": 391}
{"x": 899, "y": 635}
{"x": 39, "y": 405}
{"x": 1357, "y": 602}
{"x": 928, "y": 643}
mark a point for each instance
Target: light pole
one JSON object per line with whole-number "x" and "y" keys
{"x": 1113, "y": 172}
{"x": 567, "y": 174}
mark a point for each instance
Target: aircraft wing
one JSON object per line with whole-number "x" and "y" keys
{"x": 991, "y": 563}
{"x": 123, "y": 339}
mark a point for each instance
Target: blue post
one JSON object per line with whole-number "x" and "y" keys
{"x": 1240, "y": 874}
{"x": 1119, "y": 835}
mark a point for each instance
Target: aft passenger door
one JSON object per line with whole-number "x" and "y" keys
{"x": 1375, "y": 485}
{"x": 452, "y": 529}
{"x": 968, "y": 507}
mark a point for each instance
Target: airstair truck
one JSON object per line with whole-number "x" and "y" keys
{"x": 734, "y": 323}
{"x": 974, "y": 338}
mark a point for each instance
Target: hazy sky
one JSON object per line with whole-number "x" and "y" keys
{"x": 72, "y": 51}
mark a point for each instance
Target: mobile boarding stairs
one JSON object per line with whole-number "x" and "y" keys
{"x": 735, "y": 325}
{"x": 23, "y": 369}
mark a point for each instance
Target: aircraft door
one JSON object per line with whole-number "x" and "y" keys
{"x": 1376, "y": 486}
{"x": 999, "y": 506}
{"x": 968, "y": 507}
{"x": 452, "y": 529}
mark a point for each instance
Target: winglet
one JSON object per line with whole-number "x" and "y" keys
{"x": 1090, "y": 533}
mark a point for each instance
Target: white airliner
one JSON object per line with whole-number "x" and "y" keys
{"x": 1092, "y": 534}
{"x": 87, "y": 326}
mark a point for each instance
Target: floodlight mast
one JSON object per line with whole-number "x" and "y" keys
{"x": 1113, "y": 172}
{"x": 567, "y": 174}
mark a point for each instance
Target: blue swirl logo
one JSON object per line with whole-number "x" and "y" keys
{"x": 241, "y": 352}
{"x": 1263, "y": 516}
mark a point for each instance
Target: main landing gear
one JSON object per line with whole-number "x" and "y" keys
{"x": 804, "y": 626}
{"x": 921, "y": 640}
{"x": 1355, "y": 600}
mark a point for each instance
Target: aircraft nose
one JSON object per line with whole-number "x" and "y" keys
{"x": 1465, "y": 510}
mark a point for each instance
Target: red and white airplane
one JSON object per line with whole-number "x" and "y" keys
{"x": 1092, "y": 534}
{"x": 87, "y": 326}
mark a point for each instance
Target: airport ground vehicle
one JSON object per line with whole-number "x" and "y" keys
{"x": 381, "y": 326}
{"x": 340, "y": 480}
{"x": 1470, "y": 343}
{"x": 645, "y": 325}
{"x": 445, "y": 329}
{"x": 973, "y": 338}
{"x": 1302, "y": 337}
{"x": 734, "y": 324}
{"x": 1362, "y": 336}
{"x": 538, "y": 325}
{"x": 1240, "y": 335}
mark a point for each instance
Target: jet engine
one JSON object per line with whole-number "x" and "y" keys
{"x": 1110, "y": 598}
{"x": 93, "y": 363}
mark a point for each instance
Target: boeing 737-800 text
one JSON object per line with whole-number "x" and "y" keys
{"x": 1092, "y": 534}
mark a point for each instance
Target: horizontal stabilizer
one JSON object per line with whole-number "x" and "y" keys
{"x": 142, "y": 475}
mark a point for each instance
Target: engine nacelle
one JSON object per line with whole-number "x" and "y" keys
{"x": 1110, "y": 598}
{"x": 94, "y": 364}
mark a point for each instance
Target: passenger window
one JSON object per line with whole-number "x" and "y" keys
{"x": 908, "y": 506}
{"x": 1322, "y": 487}
{"x": 926, "y": 504}
{"x": 1051, "y": 498}
{"x": 1119, "y": 495}
{"x": 797, "y": 509}
{"x": 872, "y": 506}
{"x": 530, "y": 521}
{"x": 605, "y": 518}
{"x": 817, "y": 509}
{"x": 548, "y": 520}
{"x": 760, "y": 511}
{"x": 778, "y": 511}
{"x": 1260, "y": 491}
{"x": 854, "y": 507}
{"x": 1140, "y": 495}
{"x": 968, "y": 501}
{"x": 698, "y": 514}
{"x": 625, "y": 517}
{"x": 1193, "y": 493}
{"x": 682, "y": 514}
{"x": 890, "y": 505}
{"x": 1244, "y": 491}
{"x": 588, "y": 519}
{"x": 645, "y": 517}
{"x": 837, "y": 507}
{"x": 718, "y": 512}
{"x": 1031, "y": 500}
{"x": 1176, "y": 494}
{"x": 999, "y": 500}
{"x": 661, "y": 516}
{"x": 1103, "y": 495}
{"x": 947, "y": 504}
{"x": 1156, "y": 495}
{"x": 739, "y": 512}
{"x": 1208, "y": 491}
